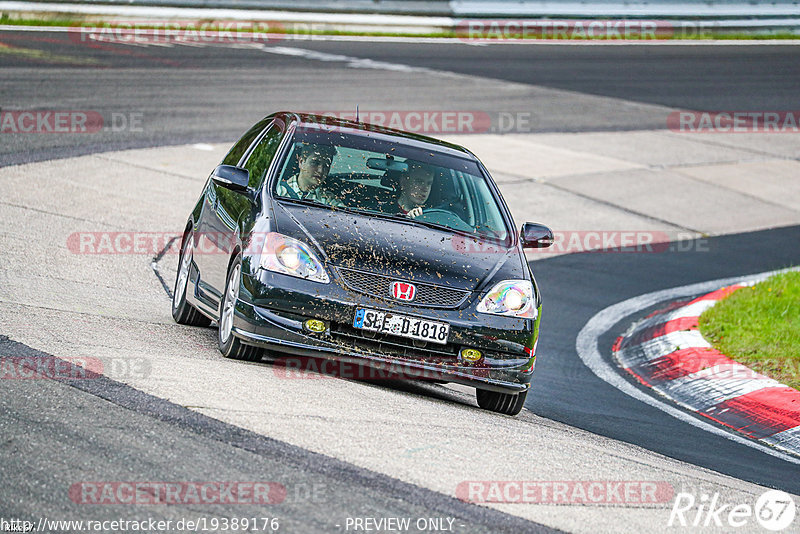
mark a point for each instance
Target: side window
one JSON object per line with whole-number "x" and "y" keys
{"x": 244, "y": 143}
{"x": 262, "y": 155}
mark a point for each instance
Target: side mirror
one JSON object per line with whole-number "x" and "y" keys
{"x": 230, "y": 177}
{"x": 536, "y": 236}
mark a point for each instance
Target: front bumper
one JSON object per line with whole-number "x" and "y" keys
{"x": 274, "y": 320}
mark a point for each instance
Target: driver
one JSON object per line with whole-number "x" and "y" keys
{"x": 314, "y": 163}
{"x": 415, "y": 188}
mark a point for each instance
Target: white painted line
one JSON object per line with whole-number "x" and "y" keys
{"x": 588, "y": 350}
{"x": 353, "y": 62}
{"x": 203, "y": 146}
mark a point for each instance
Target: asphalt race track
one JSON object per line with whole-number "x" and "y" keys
{"x": 606, "y": 279}
{"x": 207, "y": 93}
{"x": 57, "y": 433}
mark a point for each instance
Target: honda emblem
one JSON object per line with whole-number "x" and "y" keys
{"x": 403, "y": 290}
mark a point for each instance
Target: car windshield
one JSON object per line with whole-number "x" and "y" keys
{"x": 369, "y": 173}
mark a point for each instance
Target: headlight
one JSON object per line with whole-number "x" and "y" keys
{"x": 510, "y": 297}
{"x": 283, "y": 254}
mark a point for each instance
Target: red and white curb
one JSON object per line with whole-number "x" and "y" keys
{"x": 667, "y": 353}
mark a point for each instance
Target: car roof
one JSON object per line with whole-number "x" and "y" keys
{"x": 360, "y": 128}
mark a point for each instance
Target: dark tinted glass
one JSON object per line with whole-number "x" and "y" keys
{"x": 262, "y": 155}
{"x": 244, "y": 143}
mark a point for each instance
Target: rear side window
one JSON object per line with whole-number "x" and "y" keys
{"x": 244, "y": 143}
{"x": 262, "y": 155}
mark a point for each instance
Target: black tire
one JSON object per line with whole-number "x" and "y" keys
{"x": 182, "y": 311}
{"x": 229, "y": 345}
{"x": 505, "y": 403}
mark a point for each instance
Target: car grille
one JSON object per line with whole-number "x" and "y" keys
{"x": 392, "y": 346}
{"x": 377, "y": 285}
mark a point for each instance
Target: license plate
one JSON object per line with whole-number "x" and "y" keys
{"x": 401, "y": 325}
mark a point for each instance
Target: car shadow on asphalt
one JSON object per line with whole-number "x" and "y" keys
{"x": 320, "y": 368}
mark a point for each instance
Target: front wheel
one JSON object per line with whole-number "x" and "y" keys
{"x": 182, "y": 311}
{"x": 229, "y": 345}
{"x": 505, "y": 403}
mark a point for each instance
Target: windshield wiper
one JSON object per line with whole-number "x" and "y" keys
{"x": 306, "y": 201}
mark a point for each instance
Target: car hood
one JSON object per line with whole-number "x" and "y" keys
{"x": 405, "y": 250}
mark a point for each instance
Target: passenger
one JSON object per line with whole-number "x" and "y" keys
{"x": 314, "y": 163}
{"x": 415, "y": 188}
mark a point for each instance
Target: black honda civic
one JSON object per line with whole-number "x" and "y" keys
{"x": 325, "y": 238}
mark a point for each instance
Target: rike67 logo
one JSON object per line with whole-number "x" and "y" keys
{"x": 774, "y": 510}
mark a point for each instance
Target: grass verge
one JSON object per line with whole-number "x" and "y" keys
{"x": 759, "y": 326}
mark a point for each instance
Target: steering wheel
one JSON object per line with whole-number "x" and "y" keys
{"x": 445, "y": 218}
